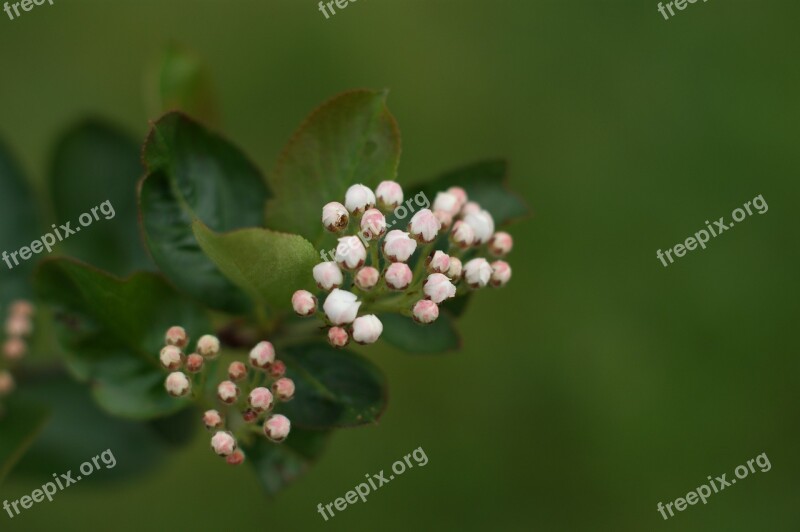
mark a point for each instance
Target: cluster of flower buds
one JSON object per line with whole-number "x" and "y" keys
{"x": 384, "y": 278}
{"x": 249, "y": 391}
{"x": 18, "y": 328}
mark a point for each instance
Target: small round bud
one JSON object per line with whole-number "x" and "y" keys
{"x": 482, "y": 224}
{"x": 500, "y": 244}
{"x": 367, "y": 329}
{"x": 177, "y": 384}
{"x": 389, "y": 194}
{"x": 223, "y": 443}
{"x": 335, "y": 217}
{"x": 439, "y": 262}
{"x": 367, "y": 277}
{"x": 338, "y": 337}
{"x": 171, "y": 358}
{"x": 341, "y": 307}
{"x": 398, "y": 276}
{"x": 398, "y": 246}
{"x": 283, "y": 389}
{"x": 176, "y": 336}
{"x": 358, "y": 199}
{"x": 470, "y": 207}
{"x": 235, "y": 458}
{"x": 304, "y": 303}
{"x": 237, "y": 371}
{"x": 454, "y": 271}
{"x": 437, "y": 287}
{"x": 212, "y": 419}
{"x": 227, "y": 392}
{"x": 328, "y": 275}
{"x": 249, "y": 415}
{"x": 445, "y": 219}
{"x": 425, "y": 311}
{"x": 6, "y": 383}
{"x": 21, "y": 307}
{"x": 350, "y": 253}
{"x": 460, "y": 195}
{"x": 501, "y": 273}
{"x": 194, "y": 363}
{"x": 262, "y": 355}
{"x": 477, "y": 272}
{"x": 208, "y": 346}
{"x": 277, "y": 369}
{"x": 446, "y": 203}
{"x": 424, "y": 226}
{"x": 260, "y": 399}
{"x": 462, "y": 235}
{"x": 373, "y": 224}
{"x": 18, "y": 325}
{"x": 277, "y": 428}
{"x": 15, "y": 348}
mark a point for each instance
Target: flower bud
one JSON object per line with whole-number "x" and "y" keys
{"x": 482, "y": 223}
{"x": 398, "y": 276}
{"x": 500, "y": 244}
{"x": 304, "y": 303}
{"x": 18, "y": 325}
{"x": 328, "y": 275}
{"x": 338, "y": 337}
{"x": 277, "y": 369}
{"x": 445, "y": 219}
{"x": 15, "y": 348}
{"x": 373, "y": 224}
{"x": 358, "y": 199}
{"x": 439, "y": 262}
{"x": 350, "y": 253}
{"x": 477, "y": 273}
{"x": 454, "y": 271}
{"x": 462, "y": 235}
{"x": 262, "y": 355}
{"x": 235, "y": 458}
{"x": 194, "y": 363}
{"x": 341, "y": 307}
{"x": 447, "y": 203}
{"x": 223, "y": 443}
{"x": 470, "y": 207}
{"x": 21, "y": 307}
{"x": 389, "y": 194}
{"x": 249, "y": 415}
{"x": 171, "y": 357}
{"x": 176, "y": 336}
{"x": 208, "y": 346}
{"x": 237, "y": 371}
{"x": 283, "y": 389}
{"x": 260, "y": 399}
{"x": 501, "y": 273}
{"x": 460, "y": 195}
{"x": 425, "y": 311}
{"x": 367, "y": 329}
{"x": 335, "y": 217}
{"x": 177, "y": 384}
{"x": 277, "y": 428}
{"x": 437, "y": 288}
{"x": 398, "y": 246}
{"x": 424, "y": 226}
{"x": 227, "y": 392}
{"x": 367, "y": 277}
{"x": 212, "y": 419}
{"x": 6, "y": 383}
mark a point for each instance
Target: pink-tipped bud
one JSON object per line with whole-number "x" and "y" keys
{"x": 21, "y": 307}
{"x": 500, "y": 244}
{"x": 460, "y": 195}
{"x": 398, "y": 276}
{"x": 194, "y": 363}
{"x": 177, "y": 384}
{"x": 445, "y": 219}
{"x": 304, "y": 303}
{"x": 249, "y": 415}
{"x": 176, "y": 336}
{"x": 462, "y": 235}
{"x": 482, "y": 223}
{"x": 328, "y": 275}
{"x": 470, "y": 207}
{"x": 223, "y": 443}
{"x": 389, "y": 194}
{"x": 501, "y": 273}
{"x": 454, "y": 271}
{"x": 446, "y": 203}
{"x": 335, "y": 217}
{"x": 15, "y": 348}
{"x": 358, "y": 199}
{"x": 227, "y": 392}
{"x": 260, "y": 399}
{"x": 208, "y": 346}
{"x": 398, "y": 246}
{"x": 237, "y": 371}
{"x": 235, "y": 458}
{"x": 277, "y": 428}
{"x": 341, "y": 307}
{"x": 18, "y": 325}
{"x": 425, "y": 311}
{"x": 338, "y": 337}
{"x": 477, "y": 272}
{"x": 262, "y": 355}
{"x": 350, "y": 253}
{"x": 277, "y": 369}
{"x": 424, "y": 226}
{"x": 6, "y": 383}
{"x": 373, "y": 224}
{"x": 367, "y": 329}
{"x": 437, "y": 288}
{"x": 439, "y": 262}
{"x": 212, "y": 419}
{"x": 283, "y": 389}
{"x": 367, "y": 277}
{"x": 171, "y": 358}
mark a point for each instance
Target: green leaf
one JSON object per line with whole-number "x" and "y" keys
{"x": 113, "y": 330}
{"x": 268, "y": 265}
{"x": 334, "y": 388}
{"x": 437, "y": 337}
{"x": 352, "y": 138}
{"x": 20, "y": 424}
{"x": 194, "y": 174}
{"x": 97, "y": 166}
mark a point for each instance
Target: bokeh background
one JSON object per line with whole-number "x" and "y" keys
{"x": 599, "y": 382}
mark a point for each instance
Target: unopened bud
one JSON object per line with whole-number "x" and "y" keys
{"x": 350, "y": 253}
{"x": 501, "y": 273}
{"x": 398, "y": 276}
{"x": 398, "y": 246}
{"x": 389, "y": 195}
{"x": 477, "y": 273}
{"x": 454, "y": 271}
{"x": 304, "y": 303}
{"x": 6, "y": 383}
{"x": 177, "y": 384}
{"x": 469, "y": 208}
{"x": 249, "y": 415}
{"x": 227, "y": 392}
{"x": 367, "y": 277}
{"x": 373, "y": 224}
{"x": 425, "y": 311}
{"x": 500, "y": 244}
{"x": 208, "y": 346}
{"x": 424, "y": 226}
{"x": 338, "y": 337}
{"x": 21, "y": 307}
{"x": 446, "y": 203}
{"x": 171, "y": 358}
{"x": 462, "y": 235}
{"x": 15, "y": 348}
{"x": 277, "y": 369}
{"x": 18, "y": 325}
{"x": 283, "y": 389}
{"x": 176, "y": 336}
{"x": 194, "y": 363}
{"x": 262, "y": 355}
{"x": 277, "y": 428}
{"x": 358, "y": 199}
{"x": 212, "y": 419}
{"x": 327, "y": 275}
{"x": 341, "y": 307}
{"x": 445, "y": 219}
{"x": 437, "y": 288}
{"x": 335, "y": 217}
{"x": 482, "y": 223}
{"x": 223, "y": 443}
{"x": 439, "y": 262}
{"x": 260, "y": 399}
{"x": 460, "y": 195}
{"x": 367, "y": 329}
{"x": 235, "y": 458}
{"x": 237, "y": 371}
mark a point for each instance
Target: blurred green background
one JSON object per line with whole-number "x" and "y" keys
{"x": 599, "y": 382}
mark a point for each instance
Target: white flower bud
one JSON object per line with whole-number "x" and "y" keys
{"x": 445, "y": 219}
{"x": 367, "y": 329}
{"x": 338, "y": 337}
{"x": 260, "y": 399}
{"x": 194, "y": 363}
{"x": 335, "y": 217}
{"x": 223, "y": 443}
{"x": 171, "y": 357}
{"x": 21, "y": 307}
{"x": 424, "y": 226}
{"x": 482, "y": 223}
{"x": 235, "y": 458}
{"x": 439, "y": 262}
{"x": 341, "y": 307}
{"x": 477, "y": 272}
{"x": 350, "y": 253}
{"x": 437, "y": 288}
{"x": 447, "y": 203}
{"x": 18, "y": 325}
{"x": 262, "y": 355}
{"x": 212, "y": 419}
{"x": 304, "y": 303}
{"x": 461, "y": 197}
{"x": 390, "y": 195}
{"x": 373, "y": 224}
{"x": 328, "y": 275}
{"x": 15, "y": 348}
{"x": 283, "y": 389}
{"x": 358, "y": 199}
{"x": 398, "y": 276}
{"x": 454, "y": 271}
{"x": 367, "y": 277}
{"x": 501, "y": 273}
{"x": 398, "y": 246}
{"x": 277, "y": 428}
{"x": 208, "y": 346}
{"x": 425, "y": 311}
{"x": 177, "y": 384}
{"x": 470, "y": 207}
{"x": 176, "y": 336}
{"x": 227, "y": 392}
{"x": 237, "y": 371}
{"x": 500, "y": 244}
{"x": 277, "y": 369}
{"x": 462, "y": 235}
{"x": 6, "y": 383}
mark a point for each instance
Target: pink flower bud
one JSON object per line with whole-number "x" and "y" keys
{"x": 447, "y": 203}
{"x": 194, "y": 363}
{"x": 439, "y": 262}
{"x": 328, "y": 275}
{"x": 341, "y": 307}
{"x": 277, "y": 369}
{"x": 358, "y": 199}
{"x": 367, "y": 277}
{"x": 373, "y": 224}
{"x": 470, "y": 207}
{"x": 350, "y": 253}
{"x": 171, "y": 358}
{"x": 424, "y": 226}
{"x": 482, "y": 223}
{"x": 18, "y": 325}
{"x": 437, "y": 288}
{"x": 283, "y": 389}
{"x": 260, "y": 399}
{"x": 277, "y": 428}
{"x": 177, "y": 384}
{"x": 227, "y": 392}
{"x": 500, "y": 244}
{"x": 390, "y": 195}
{"x": 398, "y": 246}
{"x": 235, "y": 458}
{"x": 338, "y": 337}
{"x": 462, "y": 235}
{"x": 249, "y": 415}
{"x": 460, "y": 195}
{"x": 262, "y": 355}
{"x": 335, "y": 217}
{"x": 237, "y": 371}
{"x": 445, "y": 219}
{"x": 477, "y": 273}
{"x": 454, "y": 271}
{"x": 176, "y": 336}
{"x": 6, "y": 383}
{"x": 208, "y": 346}
{"x": 425, "y": 311}
{"x": 501, "y": 273}
{"x": 212, "y": 419}
{"x": 304, "y": 303}
{"x": 15, "y": 348}
{"x": 398, "y": 276}
{"x": 367, "y": 329}
{"x": 21, "y": 307}
{"x": 223, "y": 443}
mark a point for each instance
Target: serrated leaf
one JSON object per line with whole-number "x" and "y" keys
{"x": 404, "y": 333}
